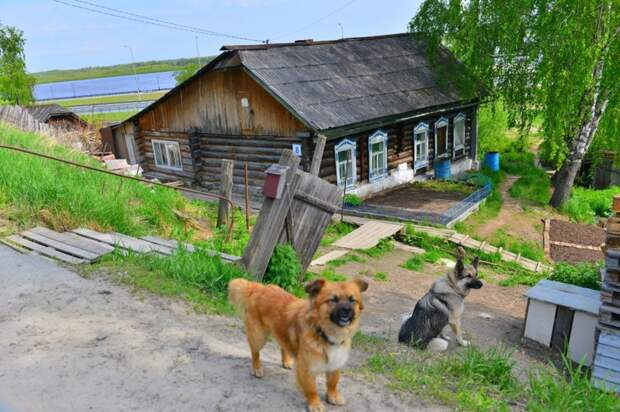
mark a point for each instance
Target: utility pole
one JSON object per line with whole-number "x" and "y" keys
{"x": 341, "y": 31}
{"x": 135, "y": 73}
{"x": 197, "y": 52}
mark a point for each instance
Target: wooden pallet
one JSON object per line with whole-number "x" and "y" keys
{"x": 87, "y": 246}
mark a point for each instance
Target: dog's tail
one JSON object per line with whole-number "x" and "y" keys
{"x": 239, "y": 290}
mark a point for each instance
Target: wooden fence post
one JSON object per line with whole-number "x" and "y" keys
{"x": 225, "y": 191}
{"x": 317, "y": 157}
{"x": 271, "y": 219}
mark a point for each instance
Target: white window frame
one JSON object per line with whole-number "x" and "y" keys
{"x": 346, "y": 145}
{"x": 442, "y": 122}
{"x": 166, "y": 145}
{"x": 377, "y": 137}
{"x": 421, "y": 128}
{"x": 459, "y": 118}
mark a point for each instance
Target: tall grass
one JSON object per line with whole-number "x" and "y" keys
{"x": 585, "y": 205}
{"x": 198, "y": 278}
{"x": 533, "y": 186}
{"x": 35, "y": 190}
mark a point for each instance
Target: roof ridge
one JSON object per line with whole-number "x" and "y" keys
{"x": 310, "y": 42}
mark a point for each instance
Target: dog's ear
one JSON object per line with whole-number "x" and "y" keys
{"x": 475, "y": 262}
{"x": 459, "y": 267}
{"x": 361, "y": 283}
{"x": 313, "y": 288}
{"x": 460, "y": 252}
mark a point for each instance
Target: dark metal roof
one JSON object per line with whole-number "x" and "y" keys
{"x": 345, "y": 83}
{"x": 44, "y": 112}
{"x": 332, "y": 84}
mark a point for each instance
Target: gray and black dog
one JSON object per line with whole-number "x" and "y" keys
{"x": 441, "y": 306}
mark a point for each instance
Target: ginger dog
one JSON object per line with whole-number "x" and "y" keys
{"x": 315, "y": 332}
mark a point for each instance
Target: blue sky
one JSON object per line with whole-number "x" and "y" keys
{"x": 59, "y": 36}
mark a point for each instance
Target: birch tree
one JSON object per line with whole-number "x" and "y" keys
{"x": 559, "y": 59}
{"x": 15, "y": 82}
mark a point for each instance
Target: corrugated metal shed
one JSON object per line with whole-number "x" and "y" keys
{"x": 344, "y": 82}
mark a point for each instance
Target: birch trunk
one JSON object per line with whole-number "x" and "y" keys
{"x": 566, "y": 175}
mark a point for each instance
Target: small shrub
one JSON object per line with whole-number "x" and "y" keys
{"x": 352, "y": 200}
{"x": 534, "y": 186}
{"x": 582, "y": 274}
{"x": 284, "y": 268}
{"x": 384, "y": 246}
{"x": 550, "y": 390}
{"x": 585, "y": 205}
{"x": 335, "y": 231}
{"x": 380, "y": 277}
{"x": 517, "y": 162}
{"x": 415, "y": 263}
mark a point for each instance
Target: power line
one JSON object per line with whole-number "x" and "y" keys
{"x": 108, "y": 11}
{"x": 320, "y": 19}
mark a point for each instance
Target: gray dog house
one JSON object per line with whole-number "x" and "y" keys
{"x": 560, "y": 314}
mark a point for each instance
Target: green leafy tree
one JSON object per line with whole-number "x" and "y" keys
{"x": 187, "y": 72}
{"x": 15, "y": 83}
{"x": 559, "y": 59}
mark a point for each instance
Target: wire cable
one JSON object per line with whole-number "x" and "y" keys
{"x": 320, "y": 19}
{"x": 108, "y": 11}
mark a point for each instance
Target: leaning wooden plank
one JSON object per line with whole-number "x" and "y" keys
{"x": 74, "y": 240}
{"x": 328, "y": 257}
{"x": 60, "y": 246}
{"x": 408, "y": 248}
{"x": 44, "y": 250}
{"x": 368, "y": 235}
{"x": 169, "y": 243}
{"x": 14, "y": 246}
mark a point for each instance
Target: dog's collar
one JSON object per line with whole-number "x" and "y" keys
{"x": 326, "y": 338}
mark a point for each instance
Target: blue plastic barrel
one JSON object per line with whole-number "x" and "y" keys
{"x": 442, "y": 169}
{"x": 491, "y": 161}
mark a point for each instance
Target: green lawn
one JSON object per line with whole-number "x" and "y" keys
{"x": 117, "y": 98}
{"x": 108, "y": 117}
{"x": 153, "y": 66}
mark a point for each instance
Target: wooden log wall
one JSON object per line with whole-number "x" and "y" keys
{"x": 258, "y": 151}
{"x": 400, "y": 145}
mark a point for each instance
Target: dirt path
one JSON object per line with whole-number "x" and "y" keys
{"x": 510, "y": 217}
{"x": 72, "y": 344}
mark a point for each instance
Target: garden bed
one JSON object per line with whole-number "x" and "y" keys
{"x": 574, "y": 243}
{"x": 427, "y": 202}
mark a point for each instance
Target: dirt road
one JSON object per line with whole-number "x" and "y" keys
{"x": 72, "y": 344}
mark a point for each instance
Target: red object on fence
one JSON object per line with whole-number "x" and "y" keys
{"x": 274, "y": 181}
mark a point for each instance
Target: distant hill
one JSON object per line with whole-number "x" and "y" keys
{"x": 152, "y": 66}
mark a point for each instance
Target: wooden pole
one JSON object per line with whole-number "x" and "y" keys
{"x": 270, "y": 221}
{"x": 226, "y": 192}
{"x": 317, "y": 157}
{"x": 247, "y": 198}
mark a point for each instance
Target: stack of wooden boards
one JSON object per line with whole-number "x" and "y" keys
{"x": 87, "y": 246}
{"x": 606, "y": 370}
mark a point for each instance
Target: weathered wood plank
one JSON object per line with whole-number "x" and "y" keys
{"x": 317, "y": 157}
{"x": 328, "y": 257}
{"x": 226, "y": 185}
{"x": 44, "y": 250}
{"x": 60, "y": 246}
{"x": 74, "y": 240}
{"x": 271, "y": 220}
{"x": 368, "y": 235}
{"x": 123, "y": 241}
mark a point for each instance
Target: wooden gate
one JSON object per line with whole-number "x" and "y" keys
{"x": 299, "y": 217}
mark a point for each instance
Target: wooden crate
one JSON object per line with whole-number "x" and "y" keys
{"x": 613, "y": 278}
{"x": 609, "y": 315}
{"x": 612, "y": 241}
{"x": 610, "y": 295}
{"x": 612, "y": 260}
{"x": 616, "y": 204}
{"x": 613, "y": 226}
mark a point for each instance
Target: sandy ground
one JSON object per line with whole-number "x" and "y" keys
{"x": 72, "y": 344}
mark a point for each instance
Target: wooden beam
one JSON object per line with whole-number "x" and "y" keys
{"x": 226, "y": 186}
{"x": 317, "y": 157}
{"x": 270, "y": 221}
